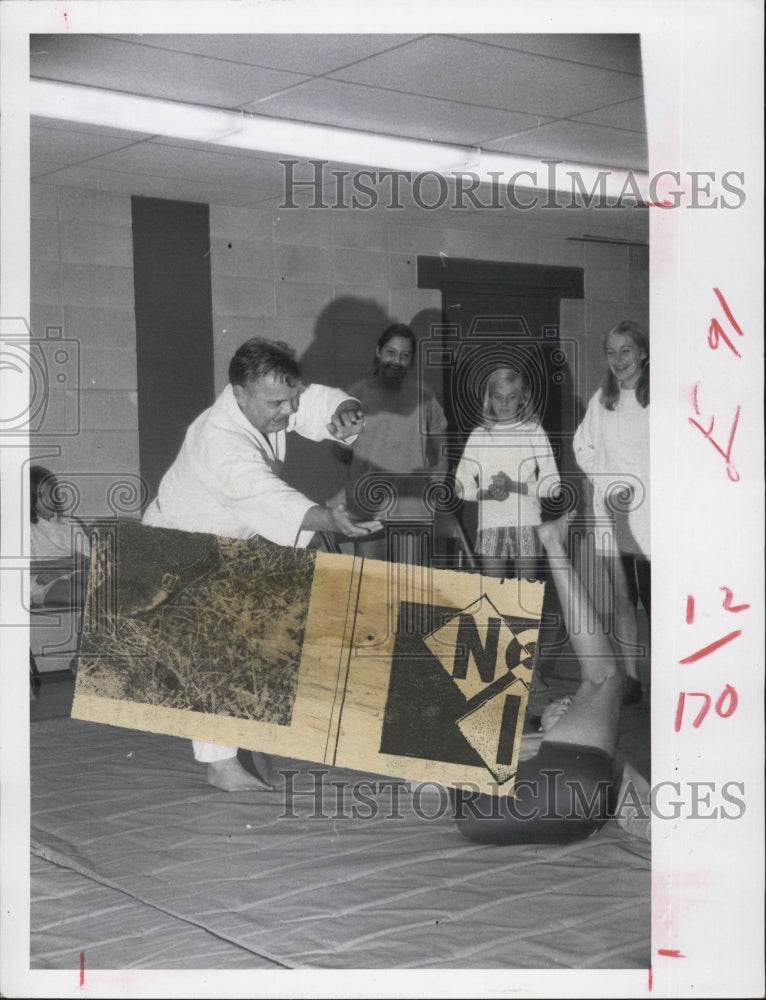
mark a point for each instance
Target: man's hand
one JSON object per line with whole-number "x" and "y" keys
{"x": 343, "y": 525}
{"x": 336, "y": 519}
{"x": 347, "y": 421}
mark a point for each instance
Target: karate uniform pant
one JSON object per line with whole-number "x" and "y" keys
{"x": 209, "y": 752}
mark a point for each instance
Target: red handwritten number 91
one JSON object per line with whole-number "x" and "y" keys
{"x": 725, "y": 706}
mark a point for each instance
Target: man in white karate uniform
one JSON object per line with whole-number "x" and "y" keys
{"x": 226, "y": 481}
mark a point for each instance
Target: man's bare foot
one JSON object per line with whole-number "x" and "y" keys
{"x": 554, "y": 534}
{"x": 230, "y": 776}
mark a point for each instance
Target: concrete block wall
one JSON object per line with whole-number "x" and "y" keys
{"x": 328, "y": 280}
{"x": 82, "y": 293}
{"x": 325, "y": 280}
{"x": 339, "y": 276}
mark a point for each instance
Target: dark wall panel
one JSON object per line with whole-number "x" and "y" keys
{"x": 174, "y": 326}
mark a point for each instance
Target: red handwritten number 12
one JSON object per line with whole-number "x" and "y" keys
{"x": 727, "y": 695}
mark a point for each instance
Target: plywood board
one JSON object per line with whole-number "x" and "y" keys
{"x": 393, "y": 669}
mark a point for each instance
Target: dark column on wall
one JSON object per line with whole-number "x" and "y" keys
{"x": 174, "y": 326}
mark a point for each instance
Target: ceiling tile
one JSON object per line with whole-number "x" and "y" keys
{"x": 332, "y": 102}
{"x": 119, "y": 133}
{"x": 476, "y": 73}
{"x": 499, "y": 92}
{"x": 54, "y": 148}
{"x": 579, "y": 142}
{"x": 166, "y": 159}
{"x": 620, "y": 52}
{"x": 99, "y": 61}
{"x": 314, "y": 54}
{"x": 626, "y": 115}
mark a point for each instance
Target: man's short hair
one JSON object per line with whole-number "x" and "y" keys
{"x": 257, "y": 358}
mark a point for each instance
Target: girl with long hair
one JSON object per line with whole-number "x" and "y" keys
{"x": 611, "y": 446}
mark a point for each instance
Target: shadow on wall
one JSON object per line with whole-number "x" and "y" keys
{"x": 427, "y": 326}
{"x": 340, "y": 354}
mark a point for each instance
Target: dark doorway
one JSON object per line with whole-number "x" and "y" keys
{"x": 490, "y": 328}
{"x": 174, "y": 327}
{"x": 498, "y": 314}
{"x": 503, "y": 314}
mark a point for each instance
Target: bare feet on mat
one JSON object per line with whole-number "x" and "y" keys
{"x": 230, "y": 776}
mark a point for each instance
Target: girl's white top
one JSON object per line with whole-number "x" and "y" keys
{"x": 523, "y": 452}
{"x": 612, "y": 448}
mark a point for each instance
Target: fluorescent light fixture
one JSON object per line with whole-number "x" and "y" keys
{"x": 240, "y": 129}
{"x": 243, "y": 130}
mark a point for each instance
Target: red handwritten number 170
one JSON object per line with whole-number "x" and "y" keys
{"x": 725, "y": 706}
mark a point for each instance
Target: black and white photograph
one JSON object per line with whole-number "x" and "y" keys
{"x": 356, "y": 365}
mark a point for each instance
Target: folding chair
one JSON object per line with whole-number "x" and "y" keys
{"x": 54, "y": 629}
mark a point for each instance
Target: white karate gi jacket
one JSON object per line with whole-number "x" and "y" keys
{"x": 225, "y": 480}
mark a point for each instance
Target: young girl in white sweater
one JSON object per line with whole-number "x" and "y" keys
{"x": 508, "y": 466}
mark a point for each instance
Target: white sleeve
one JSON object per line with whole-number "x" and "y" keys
{"x": 586, "y": 437}
{"x": 317, "y": 405}
{"x": 467, "y": 479}
{"x": 548, "y": 479}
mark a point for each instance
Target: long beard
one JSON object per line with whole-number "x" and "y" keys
{"x": 393, "y": 373}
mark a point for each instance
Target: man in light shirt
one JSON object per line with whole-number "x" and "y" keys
{"x": 226, "y": 481}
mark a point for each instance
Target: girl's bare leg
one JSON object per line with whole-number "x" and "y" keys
{"x": 592, "y": 645}
{"x": 624, "y": 625}
{"x": 594, "y": 715}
